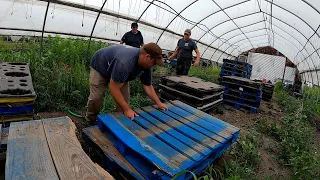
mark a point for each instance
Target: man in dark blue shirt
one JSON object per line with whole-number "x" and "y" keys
{"x": 184, "y": 50}
{"x": 116, "y": 65}
{"x": 133, "y": 38}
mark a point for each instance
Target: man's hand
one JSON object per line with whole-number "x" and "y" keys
{"x": 171, "y": 57}
{"x": 196, "y": 64}
{"x": 162, "y": 106}
{"x": 130, "y": 114}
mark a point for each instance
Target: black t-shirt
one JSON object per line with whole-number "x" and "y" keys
{"x": 135, "y": 40}
{"x": 186, "y": 48}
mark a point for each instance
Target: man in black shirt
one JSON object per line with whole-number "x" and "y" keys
{"x": 184, "y": 50}
{"x": 133, "y": 38}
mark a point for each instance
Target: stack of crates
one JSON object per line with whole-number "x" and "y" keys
{"x": 267, "y": 91}
{"x": 17, "y": 95}
{"x": 192, "y": 91}
{"x": 236, "y": 68}
{"x": 242, "y": 93}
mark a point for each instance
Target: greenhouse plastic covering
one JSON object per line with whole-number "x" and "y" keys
{"x": 221, "y": 28}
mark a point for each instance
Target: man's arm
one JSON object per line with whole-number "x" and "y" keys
{"x": 153, "y": 96}
{"x": 142, "y": 42}
{"x": 196, "y": 63}
{"x": 118, "y": 97}
{"x": 123, "y": 39}
{"x": 175, "y": 53}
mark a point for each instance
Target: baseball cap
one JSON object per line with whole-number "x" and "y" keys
{"x": 134, "y": 24}
{"x": 155, "y": 52}
{"x": 187, "y": 31}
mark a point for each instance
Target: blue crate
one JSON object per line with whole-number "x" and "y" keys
{"x": 181, "y": 138}
{"x": 238, "y": 105}
{"x": 12, "y": 110}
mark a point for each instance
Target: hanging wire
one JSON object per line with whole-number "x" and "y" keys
{"x": 27, "y": 9}
{"x": 52, "y": 12}
{"x": 31, "y": 8}
{"x": 135, "y": 4}
{"x": 84, "y": 4}
{"x": 118, "y": 18}
{"x": 12, "y": 7}
{"x": 139, "y": 6}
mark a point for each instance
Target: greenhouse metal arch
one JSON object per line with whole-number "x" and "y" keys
{"x": 221, "y": 28}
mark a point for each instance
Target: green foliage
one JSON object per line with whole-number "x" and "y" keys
{"x": 296, "y": 132}
{"x": 61, "y": 75}
{"x": 210, "y": 74}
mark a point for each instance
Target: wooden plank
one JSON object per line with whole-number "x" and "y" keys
{"x": 110, "y": 151}
{"x": 167, "y": 138}
{"x": 70, "y": 160}
{"x": 204, "y": 115}
{"x": 184, "y": 129}
{"x": 127, "y": 137}
{"x": 28, "y": 155}
{"x": 161, "y": 147}
{"x": 164, "y": 127}
{"x": 217, "y": 128}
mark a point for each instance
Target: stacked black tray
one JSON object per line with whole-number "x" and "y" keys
{"x": 191, "y": 90}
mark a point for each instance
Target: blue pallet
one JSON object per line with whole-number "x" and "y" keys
{"x": 241, "y": 82}
{"x": 236, "y": 67}
{"x": 237, "y": 62}
{"x": 238, "y": 105}
{"x": 242, "y": 100}
{"x": 27, "y": 108}
{"x": 233, "y": 73}
{"x": 254, "y": 96}
{"x": 181, "y": 138}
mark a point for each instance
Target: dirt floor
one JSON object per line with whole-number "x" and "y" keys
{"x": 269, "y": 166}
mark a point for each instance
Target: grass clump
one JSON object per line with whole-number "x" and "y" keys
{"x": 210, "y": 73}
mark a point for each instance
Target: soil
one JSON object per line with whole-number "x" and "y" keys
{"x": 269, "y": 150}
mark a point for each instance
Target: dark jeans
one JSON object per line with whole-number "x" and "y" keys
{"x": 183, "y": 66}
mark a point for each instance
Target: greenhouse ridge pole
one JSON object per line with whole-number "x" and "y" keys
{"x": 94, "y": 26}
{"x": 44, "y": 24}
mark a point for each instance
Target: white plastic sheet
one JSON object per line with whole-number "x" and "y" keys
{"x": 232, "y": 26}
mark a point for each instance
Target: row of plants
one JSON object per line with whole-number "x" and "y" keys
{"x": 296, "y": 132}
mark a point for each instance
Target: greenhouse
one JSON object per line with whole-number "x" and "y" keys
{"x": 253, "y": 70}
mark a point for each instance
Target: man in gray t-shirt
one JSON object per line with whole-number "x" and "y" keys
{"x": 115, "y": 66}
{"x": 184, "y": 50}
